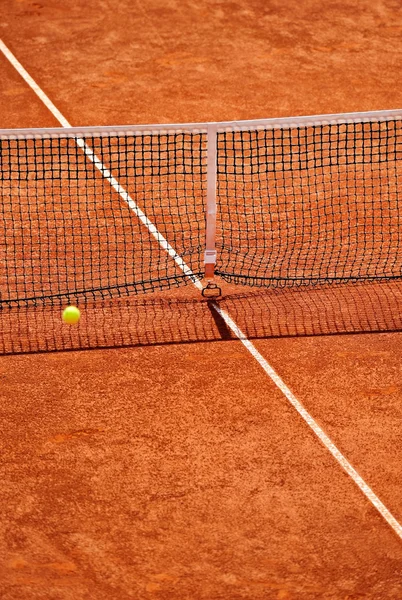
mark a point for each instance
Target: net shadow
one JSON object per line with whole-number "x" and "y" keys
{"x": 184, "y": 317}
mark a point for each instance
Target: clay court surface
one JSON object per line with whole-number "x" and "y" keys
{"x": 158, "y": 458}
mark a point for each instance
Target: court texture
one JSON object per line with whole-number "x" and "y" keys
{"x": 218, "y": 187}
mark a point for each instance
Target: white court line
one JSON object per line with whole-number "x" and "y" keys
{"x": 28, "y": 79}
{"x": 138, "y": 212}
{"x": 310, "y": 421}
{"x": 320, "y": 433}
{"x": 103, "y": 170}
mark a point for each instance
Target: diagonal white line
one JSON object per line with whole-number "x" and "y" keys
{"x": 103, "y": 170}
{"x": 32, "y": 84}
{"x": 139, "y": 213}
{"x": 310, "y": 421}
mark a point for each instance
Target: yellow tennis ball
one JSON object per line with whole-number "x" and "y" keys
{"x": 71, "y": 315}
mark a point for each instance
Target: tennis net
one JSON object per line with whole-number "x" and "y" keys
{"x": 104, "y": 212}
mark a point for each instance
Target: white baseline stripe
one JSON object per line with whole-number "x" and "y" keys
{"x": 310, "y": 421}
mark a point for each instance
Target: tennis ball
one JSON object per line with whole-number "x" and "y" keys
{"x": 71, "y": 315}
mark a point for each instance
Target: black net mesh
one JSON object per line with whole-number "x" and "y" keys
{"x": 69, "y": 224}
{"x": 113, "y": 214}
{"x": 313, "y": 204}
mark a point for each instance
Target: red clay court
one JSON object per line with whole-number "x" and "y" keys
{"x": 174, "y": 444}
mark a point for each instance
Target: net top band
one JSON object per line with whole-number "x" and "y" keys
{"x": 202, "y": 128}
